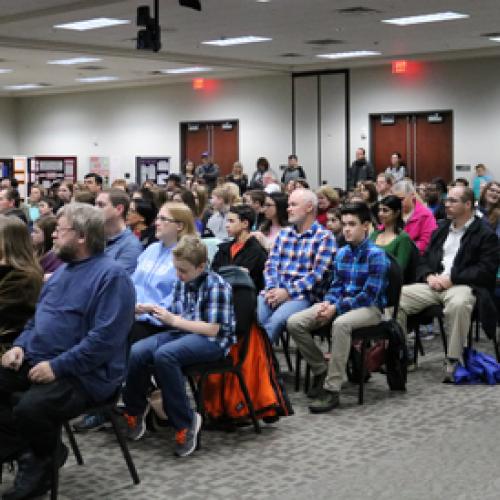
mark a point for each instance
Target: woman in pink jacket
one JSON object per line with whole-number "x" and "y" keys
{"x": 419, "y": 220}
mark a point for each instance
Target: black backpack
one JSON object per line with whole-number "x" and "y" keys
{"x": 396, "y": 357}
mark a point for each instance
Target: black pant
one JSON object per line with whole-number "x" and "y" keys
{"x": 31, "y": 414}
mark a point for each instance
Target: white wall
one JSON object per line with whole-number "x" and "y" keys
{"x": 470, "y": 88}
{"x": 144, "y": 121}
{"x": 8, "y": 127}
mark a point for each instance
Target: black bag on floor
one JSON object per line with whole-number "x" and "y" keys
{"x": 396, "y": 357}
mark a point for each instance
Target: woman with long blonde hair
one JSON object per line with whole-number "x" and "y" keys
{"x": 20, "y": 278}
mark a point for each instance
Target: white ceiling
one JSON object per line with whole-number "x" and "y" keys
{"x": 28, "y": 39}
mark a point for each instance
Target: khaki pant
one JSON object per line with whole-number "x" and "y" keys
{"x": 300, "y": 326}
{"x": 458, "y": 302}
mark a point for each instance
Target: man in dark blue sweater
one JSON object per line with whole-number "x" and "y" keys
{"x": 70, "y": 355}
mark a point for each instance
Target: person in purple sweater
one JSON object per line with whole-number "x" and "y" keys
{"x": 43, "y": 230}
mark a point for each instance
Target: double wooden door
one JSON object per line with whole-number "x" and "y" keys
{"x": 423, "y": 139}
{"x": 219, "y": 139}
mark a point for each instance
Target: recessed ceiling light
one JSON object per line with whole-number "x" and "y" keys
{"x": 263, "y": 1}
{"x": 239, "y": 40}
{"x": 495, "y": 38}
{"x": 97, "y": 79}
{"x": 23, "y": 86}
{"x": 5, "y": 70}
{"x": 180, "y": 71}
{"x": 74, "y": 60}
{"x": 348, "y": 55}
{"x": 426, "y": 18}
{"x": 91, "y": 24}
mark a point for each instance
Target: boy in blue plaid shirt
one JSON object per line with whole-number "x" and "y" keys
{"x": 201, "y": 328}
{"x": 356, "y": 298}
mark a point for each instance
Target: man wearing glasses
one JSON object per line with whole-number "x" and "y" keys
{"x": 458, "y": 268}
{"x": 70, "y": 356}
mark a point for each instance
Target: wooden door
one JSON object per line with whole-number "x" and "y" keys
{"x": 433, "y": 148}
{"x": 388, "y": 138}
{"x": 225, "y": 149}
{"x": 195, "y": 142}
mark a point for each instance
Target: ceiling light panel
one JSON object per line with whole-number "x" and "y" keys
{"x": 349, "y": 55}
{"x": 426, "y": 18}
{"x": 180, "y": 71}
{"x": 23, "y": 86}
{"x": 239, "y": 40}
{"x": 4, "y": 71}
{"x": 97, "y": 79}
{"x": 74, "y": 60}
{"x": 91, "y": 24}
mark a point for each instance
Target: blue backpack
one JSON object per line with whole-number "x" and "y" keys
{"x": 479, "y": 368}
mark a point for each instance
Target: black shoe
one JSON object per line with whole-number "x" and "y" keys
{"x": 317, "y": 386}
{"x": 327, "y": 400}
{"x": 30, "y": 479}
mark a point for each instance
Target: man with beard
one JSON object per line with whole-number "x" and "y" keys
{"x": 360, "y": 170}
{"x": 434, "y": 203}
{"x": 70, "y": 356}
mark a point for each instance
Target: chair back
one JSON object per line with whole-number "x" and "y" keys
{"x": 394, "y": 284}
{"x": 244, "y": 297}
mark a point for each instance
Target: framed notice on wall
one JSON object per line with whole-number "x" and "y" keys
{"x": 156, "y": 169}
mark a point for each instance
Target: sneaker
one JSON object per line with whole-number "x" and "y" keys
{"x": 317, "y": 386}
{"x": 91, "y": 422}
{"x": 327, "y": 401}
{"x": 449, "y": 370}
{"x": 186, "y": 440}
{"x": 427, "y": 332}
{"x": 136, "y": 425}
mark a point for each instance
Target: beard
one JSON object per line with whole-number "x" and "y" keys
{"x": 67, "y": 253}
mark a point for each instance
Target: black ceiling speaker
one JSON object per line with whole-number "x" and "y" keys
{"x": 149, "y": 38}
{"x": 192, "y": 4}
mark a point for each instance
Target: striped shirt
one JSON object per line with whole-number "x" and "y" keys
{"x": 301, "y": 262}
{"x": 207, "y": 298}
{"x": 359, "y": 277}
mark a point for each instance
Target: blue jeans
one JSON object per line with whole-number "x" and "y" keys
{"x": 165, "y": 354}
{"x": 274, "y": 320}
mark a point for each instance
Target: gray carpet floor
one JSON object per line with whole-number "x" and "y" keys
{"x": 436, "y": 441}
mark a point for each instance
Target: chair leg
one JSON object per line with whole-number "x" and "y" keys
{"x": 415, "y": 345}
{"x": 443, "y": 335}
{"x": 54, "y": 488}
{"x": 477, "y": 330}
{"x": 249, "y": 402}
{"x": 495, "y": 345}
{"x": 124, "y": 447}
{"x": 307, "y": 378}
{"x": 298, "y": 362}
{"x": 362, "y": 374}
{"x": 73, "y": 443}
{"x": 286, "y": 352}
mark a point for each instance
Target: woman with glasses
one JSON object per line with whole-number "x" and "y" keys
{"x": 20, "y": 278}
{"x": 155, "y": 273}
{"x": 275, "y": 219}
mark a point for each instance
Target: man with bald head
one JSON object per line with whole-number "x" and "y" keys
{"x": 299, "y": 264}
{"x": 458, "y": 267}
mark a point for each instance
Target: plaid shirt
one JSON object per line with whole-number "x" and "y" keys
{"x": 207, "y": 298}
{"x": 301, "y": 262}
{"x": 359, "y": 277}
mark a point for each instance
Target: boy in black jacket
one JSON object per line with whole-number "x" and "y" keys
{"x": 243, "y": 250}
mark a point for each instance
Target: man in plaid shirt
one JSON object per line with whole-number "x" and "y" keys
{"x": 201, "y": 327}
{"x": 299, "y": 262}
{"x": 356, "y": 298}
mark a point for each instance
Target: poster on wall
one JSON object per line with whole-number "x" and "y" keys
{"x": 100, "y": 165}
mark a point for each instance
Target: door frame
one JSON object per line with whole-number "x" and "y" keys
{"x": 409, "y": 113}
{"x": 182, "y": 137}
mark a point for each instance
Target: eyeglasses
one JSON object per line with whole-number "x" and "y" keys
{"x": 162, "y": 218}
{"x": 493, "y": 190}
{"x": 60, "y": 230}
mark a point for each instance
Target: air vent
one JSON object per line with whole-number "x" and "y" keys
{"x": 91, "y": 68}
{"x": 324, "y": 41}
{"x": 156, "y": 73}
{"x": 358, "y": 10}
{"x": 290, "y": 54}
{"x": 490, "y": 35}
{"x": 43, "y": 84}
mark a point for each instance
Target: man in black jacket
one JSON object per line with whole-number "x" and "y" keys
{"x": 243, "y": 250}
{"x": 458, "y": 268}
{"x": 360, "y": 170}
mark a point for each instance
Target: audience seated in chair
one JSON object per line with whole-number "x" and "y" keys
{"x": 43, "y": 242}
{"x": 243, "y": 250}
{"x": 20, "y": 278}
{"x": 199, "y": 327}
{"x": 355, "y": 299}
{"x": 67, "y": 358}
{"x": 299, "y": 263}
{"x": 419, "y": 220}
{"x": 458, "y": 268}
